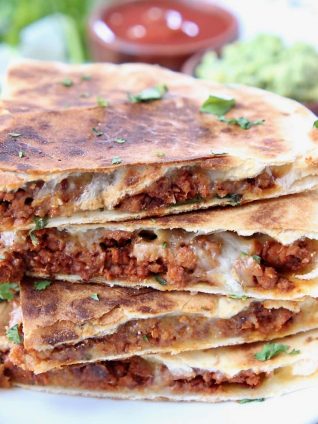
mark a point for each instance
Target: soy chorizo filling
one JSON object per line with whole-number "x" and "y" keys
{"x": 164, "y": 332}
{"x": 134, "y": 373}
{"x": 173, "y": 258}
{"x": 187, "y": 184}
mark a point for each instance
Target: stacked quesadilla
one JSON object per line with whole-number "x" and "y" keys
{"x": 152, "y": 246}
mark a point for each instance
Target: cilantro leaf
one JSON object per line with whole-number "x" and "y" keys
{"x": 67, "y": 82}
{"x": 218, "y": 106}
{"x": 101, "y": 102}
{"x": 40, "y": 223}
{"x": 149, "y": 94}
{"x": 7, "y": 290}
{"x": 21, "y": 154}
{"x": 257, "y": 258}
{"x": 160, "y": 280}
{"x": 242, "y": 401}
{"x": 294, "y": 352}
{"x": 218, "y": 154}
{"x": 42, "y": 284}
{"x": 241, "y": 122}
{"x": 193, "y": 200}
{"x": 315, "y": 124}
{"x": 86, "y": 77}
{"x": 14, "y": 134}
{"x": 33, "y": 238}
{"x": 145, "y": 338}
{"x": 94, "y": 296}
{"x": 120, "y": 140}
{"x": 160, "y": 154}
{"x": 238, "y": 296}
{"x": 234, "y": 198}
{"x": 13, "y": 334}
{"x": 116, "y": 160}
{"x": 164, "y": 244}
{"x": 97, "y": 132}
{"x": 270, "y": 350}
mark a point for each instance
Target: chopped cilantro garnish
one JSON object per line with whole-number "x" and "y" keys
{"x": 257, "y": 258}
{"x": 218, "y": 154}
{"x": 195, "y": 199}
{"x": 234, "y": 198}
{"x": 294, "y": 352}
{"x": 13, "y": 334}
{"x": 33, "y": 238}
{"x": 67, "y": 82}
{"x": 271, "y": 350}
{"x": 160, "y": 280}
{"x": 42, "y": 284}
{"x": 101, "y": 102}
{"x": 160, "y": 154}
{"x": 14, "y": 134}
{"x": 94, "y": 296}
{"x": 149, "y": 94}
{"x": 84, "y": 95}
{"x": 97, "y": 132}
{"x": 218, "y": 106}
{"x": 145, "y": 338}
{"x": 242, "y": 122}
{"x": 316, "y": 123}
{"x": 86, "y": 77}
{"x": 40, "y": 223}
{"x": 120, "y": 140}
{"x": 164, "y": 244}
{"x": 21, "y": 154}
{"x": 238, "y": 296}
{"x": 242, "y": 401}
{"x": 116, "y": 160}
{"x": 7, "y": 290}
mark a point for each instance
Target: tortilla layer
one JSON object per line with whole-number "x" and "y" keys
{"x": 231, "y": 373}
{"x": 162, "y": 139}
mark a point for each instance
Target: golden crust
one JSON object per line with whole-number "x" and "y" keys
{"x": 68, "y": 309}
{"x": 51, "y": 132}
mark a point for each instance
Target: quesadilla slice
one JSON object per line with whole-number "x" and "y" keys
{"x": 154, "y": 156}
{"x": 68, "y": 323}
{"x": 244, "y": 373}
{"x": 263, "y": 250}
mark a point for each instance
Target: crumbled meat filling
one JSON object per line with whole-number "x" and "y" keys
{"x": 133, "y": 374}
{"x": 167, "y": 332}
{"x": 274, "y": 259}
{"x": 184, "y": 185}
{"x": 193, "y": 185}
{"x": 183, "y": 260}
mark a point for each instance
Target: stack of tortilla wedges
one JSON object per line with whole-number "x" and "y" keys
{"x": 159, "y": 235}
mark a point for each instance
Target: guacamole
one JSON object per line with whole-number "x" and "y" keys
{"x": 266, "y": 62}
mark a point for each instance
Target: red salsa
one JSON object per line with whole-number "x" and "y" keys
{"x": 162, "y": 22}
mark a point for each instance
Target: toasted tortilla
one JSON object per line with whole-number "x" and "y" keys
{"x": 58, "y": 143}
{"x": 75, "y": 323}
{"x": 169, "y": 377}
{"x": 288, "y": 220}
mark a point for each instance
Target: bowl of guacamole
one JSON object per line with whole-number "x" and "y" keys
{"x": 265, "y": 62}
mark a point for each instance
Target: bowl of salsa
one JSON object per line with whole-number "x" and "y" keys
{"x": 165, "y": 32}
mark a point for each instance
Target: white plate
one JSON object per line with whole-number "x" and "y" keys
{"x": 27, "y": 407}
